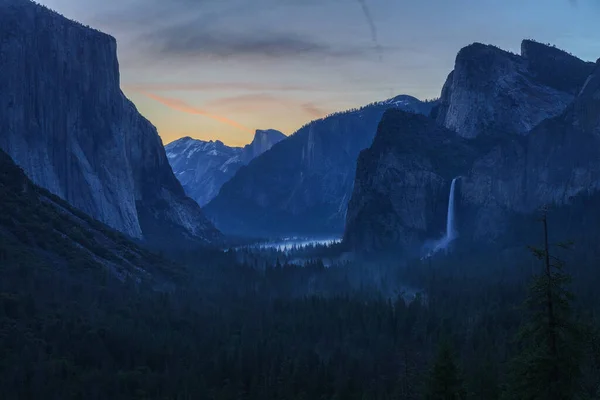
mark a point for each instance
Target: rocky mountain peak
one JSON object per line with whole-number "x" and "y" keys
{"x": 401, "y": 100}
{"x": 268, "y": 133}
{"x": 531, "y": 48}
{"x": 482, "y": 56}
{"x": 555, "y": 67}
{"x": 263, "y": 140}
{"x": 203, "y": 167}
{"x": 492, "y": 91}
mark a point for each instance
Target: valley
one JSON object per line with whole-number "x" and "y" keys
{"x": 434, "y": 249}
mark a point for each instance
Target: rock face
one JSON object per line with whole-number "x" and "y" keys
{"x": 50, "y": 232}
{"x": 402, "y": 183}
{"x": 303, "y": 184}
{"x": 263, "y": 141}
{"x": 203, "y": 167}
{"x": 65, "y": 121}
{"x": 557, "y": 161}
{"x": 492, "y": 91}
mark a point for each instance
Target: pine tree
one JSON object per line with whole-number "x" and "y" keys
{"x": 409, "y": 374}
{"x": 445, "y": 381}
{"x": 548, "y": 366}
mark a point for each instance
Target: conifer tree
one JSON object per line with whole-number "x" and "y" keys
{"x": 409, "y": 374}
{"x": 548, "y": 365}
{"x": 445, "y": 381}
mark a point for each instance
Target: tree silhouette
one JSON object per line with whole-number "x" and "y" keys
{"x": 549, "y": 365}
{"x": 445, "y": 382}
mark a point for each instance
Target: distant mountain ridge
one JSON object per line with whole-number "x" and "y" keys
{"x": 65, "y": 121}
{"x": 303, "y": 184}
{"x": 504, "y": 173}
{"x": 203, "y": 167}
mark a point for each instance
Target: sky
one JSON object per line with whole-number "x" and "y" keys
{"x": 219, "y": 69}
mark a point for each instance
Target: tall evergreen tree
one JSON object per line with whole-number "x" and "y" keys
{"x": 409, "y": 374}
{"x": 548, "y": 366}
{"x": 445, "y": 381}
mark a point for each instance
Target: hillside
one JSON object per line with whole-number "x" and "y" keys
{"x": 38, "y": 228}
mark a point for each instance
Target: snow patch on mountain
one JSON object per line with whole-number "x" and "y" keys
{"x": 203, "y": 167}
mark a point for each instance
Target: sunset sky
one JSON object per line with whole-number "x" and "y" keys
{"x": 219, "y": 69}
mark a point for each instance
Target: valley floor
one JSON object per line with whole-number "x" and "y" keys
{"x": 240, "y": 330}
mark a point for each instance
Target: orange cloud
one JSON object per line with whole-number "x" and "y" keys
{"x": 179, "y": 105}
{"x": 206, "y": 86}
{"x": 245, "y": 86}
{"x": 314, "y": 111}
{"x": 252, "y": 103}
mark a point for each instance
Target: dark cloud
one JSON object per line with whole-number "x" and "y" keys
{"x": 207, "y": 29}
{"x": 193, "y": 41}
{"x": 150, "y": 15}
{"x": 265, "y": 101}
{"x": 314, "y": 110}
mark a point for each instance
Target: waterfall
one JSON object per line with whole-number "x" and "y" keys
{"x": 451, "y": 233}
{"x": 450, "y": 229}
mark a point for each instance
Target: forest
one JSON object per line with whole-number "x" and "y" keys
{"x": 456, "y": 326}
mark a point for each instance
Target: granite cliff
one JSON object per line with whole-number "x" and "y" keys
{"x": 40, "y": 230}
{"x": 65, "y": 121}
{"x": 492, "y": 91}
{"x": 402, "y": 184}
{"x": 556, "y": 162}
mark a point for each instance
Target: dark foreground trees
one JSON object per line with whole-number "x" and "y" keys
{"x": 445, "y": 382}
{"x": 551, "y": 341}
{"x": 289, "y": 333}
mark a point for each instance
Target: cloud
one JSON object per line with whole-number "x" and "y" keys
{"x": 313, "y": 110}
{"x": 260, "y": 102}
{"x": 232, "y": 29}
{"x": 192, "y": 41}
{"x": 229, "y": 29}
{"x": 247, "y": 87}
{"x": 210, "y": 86}
{"x": 179, "y": 105}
